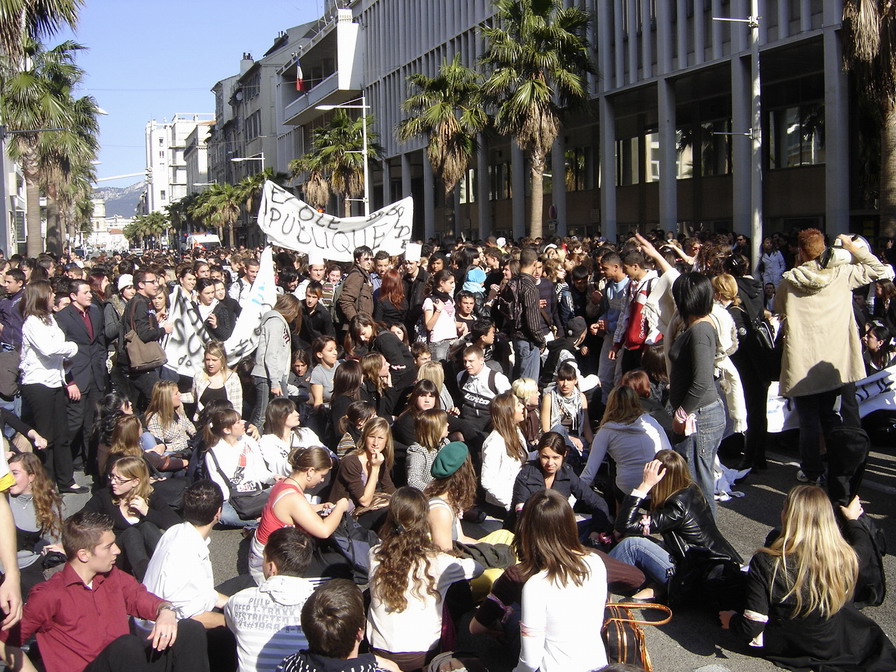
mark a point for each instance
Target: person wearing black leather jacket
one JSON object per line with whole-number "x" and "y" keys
{"x": 678, "y": 512}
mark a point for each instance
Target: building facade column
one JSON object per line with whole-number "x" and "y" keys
{"x": 429, "y": 201}
{"x": 483, "y": 180}
{"x": 836, "y": 116}
{"x": 741, "y": 168}
{"x": 558, "y": 183}
{"x": 668, "y": 155}
{"x": 607, "y": 169}
{"x": 387, "y": 183}
{"x": 406, "y": 189}
{"x": 518, "y": 184}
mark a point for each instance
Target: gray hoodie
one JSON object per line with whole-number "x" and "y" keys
{"x": 273, "y": 357}
{"x": 631, "y": 446}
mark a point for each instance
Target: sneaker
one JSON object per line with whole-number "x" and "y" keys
{"x": 802, "y": 478}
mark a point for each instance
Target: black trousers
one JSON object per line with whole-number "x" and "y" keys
{"x": 48, "y": 407}
{"x": 81, "y": 415}
{"x": 132, "y": 653}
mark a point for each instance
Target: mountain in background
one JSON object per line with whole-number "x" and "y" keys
{"x": 120, "y": 200}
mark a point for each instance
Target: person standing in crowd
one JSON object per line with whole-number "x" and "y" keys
{"x": 273, "y": 358}
{"x": 44, "y": 349}
{"x": 357, "y": 289}
{"x": 82, "y": 323}
{"x": 438, "y": 314}
{"x": 613, "y": 300}
{"x": 317, "y": 271}
{"x": 522, "y": 315}
{"x": 632, "y": 330}
{"x": 548, "y": 310}
{"x": 11, "y": 319}
{"x": 816, "y": 301}
{"x": 391, "y": 305}
{"x": 382, "y": 262}
{"x": 242, "y": 288}
{"x": 415, "y": 280}
{"x": 771, "y": 264}
{"x": 140, "y": 315}
{"x": 316, "y": 320}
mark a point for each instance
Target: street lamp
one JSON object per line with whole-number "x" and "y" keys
{"x": 240, "y": 159}
{"x": 352, "y": 105}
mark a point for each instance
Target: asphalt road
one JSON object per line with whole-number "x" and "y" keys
{"x": 692, "y": 640}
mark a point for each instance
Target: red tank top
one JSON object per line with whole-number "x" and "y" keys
{"x": 269, "y": 520}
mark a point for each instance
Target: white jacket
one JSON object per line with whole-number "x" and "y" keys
{"x": 44, "y": 349}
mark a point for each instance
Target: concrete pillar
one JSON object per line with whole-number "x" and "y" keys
{"x": 668, "y": 155}
{"x": 558, "y": 182}
{"x": 483, "y": 204}
{"x": 836, "y": 118}
{"x": 607, "y": 169}
{"x": 741, "y": 169}
{"x": 387, "y": 183}
{"x": 429, "y": 200}
{"x": 518, "y": 185}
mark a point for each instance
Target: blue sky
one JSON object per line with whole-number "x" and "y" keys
{"x": 150, "y": 60}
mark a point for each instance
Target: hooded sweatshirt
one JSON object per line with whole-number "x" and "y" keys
{"x": 273, "y": 358}
{"x": 267, "y": 621}
{"x": 630, "y": 445}
{"x": 822, "y": 348}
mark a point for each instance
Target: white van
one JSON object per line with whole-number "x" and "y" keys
{"x": 207, "y": 241}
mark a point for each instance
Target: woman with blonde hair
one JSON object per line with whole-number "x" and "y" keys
{"x": 139, "y": 514}
{"x": 376, "y": 384}
{"x": 504, "y": 452}
{"x": 564, "y": 593}
{"x": 365, "y": 474}
{"x": 37, "y": 512}
{"x": 629, "y": 436}
{"x": 216, "y": 380}
{"x": 526, "y": 390}
{"x": 166, "y": 421}
{"x": 410, "y": 577}
{"x": 435, "y": 372}
{"x": 678, "y": 511}
{"x": 432, "y": 434}
{"x": 799, "y": 610}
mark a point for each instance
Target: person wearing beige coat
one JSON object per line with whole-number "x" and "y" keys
{"x": 822, "y": 355}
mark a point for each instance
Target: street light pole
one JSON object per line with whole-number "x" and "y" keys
{"x": 756, "y": 148}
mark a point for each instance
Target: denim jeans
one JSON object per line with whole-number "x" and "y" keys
{"x": 262, "y": 396}
{"x": 439, "y": 350}
{"x": 231, "y": 518}
{"x": 701, "y": 447}
{"x": 528, "y": 360}
{"x": 646, "y": 555}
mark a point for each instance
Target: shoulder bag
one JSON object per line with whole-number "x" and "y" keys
{"x": 143, "y": 356}
{"x": 248, "y": 505}
{"x": 623, "y": 636}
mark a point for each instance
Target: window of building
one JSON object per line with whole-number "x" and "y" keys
{"x": 253, "y": 125}
{"x": 684, "y": 152}
{"x": 467, "y": 186}
{"x": 162, "y": 154}
{"x": 652, "y": 157}
{"x": 577, "y": 160}
{"x": 715, "y": 147}
{"x": 163, "y": 194}
{"x": 627, "y": 161}
{"x": 796, "y": 136}
{"x": 500, "y": 182}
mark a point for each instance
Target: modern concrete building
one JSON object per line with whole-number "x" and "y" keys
{"x": 166, "y": 167}
{"x": 665, "y": 142}
{"x": 196, "y": 155}
{"x": 12, "y": 215}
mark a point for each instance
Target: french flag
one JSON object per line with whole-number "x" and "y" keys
{"x": 300, "y": 83}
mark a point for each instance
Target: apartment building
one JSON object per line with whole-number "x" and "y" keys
{"x": 166, "y": 167}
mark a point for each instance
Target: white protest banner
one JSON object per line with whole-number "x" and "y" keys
{"x": 874, "y": 393}
{"x": 188, "y": 338}
{"x": 262, "y": 297}
{"x": 185, "y": 343}
{"x": 291, "y": 223}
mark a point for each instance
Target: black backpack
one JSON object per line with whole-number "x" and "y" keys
{"x": 510, "y": 307}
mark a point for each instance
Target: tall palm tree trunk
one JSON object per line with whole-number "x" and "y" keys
{"x": 231, "y": 235}
{"x": 54, "y": 227}
{"x": 887, "y": 204}
{"x": 536, "y": 171}
{"x": 35, "y": 243}
{"x": 346, "y": 206}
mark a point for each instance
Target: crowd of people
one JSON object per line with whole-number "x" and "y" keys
{"x": 508, "y": 430}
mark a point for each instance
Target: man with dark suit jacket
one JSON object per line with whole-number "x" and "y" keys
{"x": 87, "y": 379}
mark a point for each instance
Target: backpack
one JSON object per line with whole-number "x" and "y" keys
{"x": 510, "y": 307}
{"x": 766, "y": 345}
{"x": 492, "y": 377}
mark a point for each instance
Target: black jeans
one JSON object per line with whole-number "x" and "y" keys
{"x": 81, "y": 414}
{"x": 131, "y": 653}
{"x": 48, "y": 407}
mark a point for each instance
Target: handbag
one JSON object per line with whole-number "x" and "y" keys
{"x": 248, "y": 505}
{"x": 623, "y": 636}
{"x": 143, "y": 356}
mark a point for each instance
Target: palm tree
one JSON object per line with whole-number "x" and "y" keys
{"x": 315, "y": 188}
{"x": 537, "y": 55}
{"x": 337, "y": 158}
{"x": 142, "y": 226}
{"x": 869, "y": 51}
{"x": 447, "y": 109}
{"x": 39, "y": 96}
{"x": 35, "y": 19}
{"x": 251, "y": 186}
{"x": 220, "y": 206}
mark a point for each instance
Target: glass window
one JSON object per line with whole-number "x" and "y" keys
{"x": 715, "y": 147}
{"x": 627, "y": 161}
{"x": 652, "y": 157}
{"x": 796, "y": 136}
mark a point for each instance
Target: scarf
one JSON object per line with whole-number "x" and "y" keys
{"x": 441, "y": 296}
{"x": 569, "y": 407}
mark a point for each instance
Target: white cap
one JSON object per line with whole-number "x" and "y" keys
{"x": 412, "y": 252}
{"x": 125, "y": 280}
{"x": 315, "y": 259}
{"x": 501, "y": 241}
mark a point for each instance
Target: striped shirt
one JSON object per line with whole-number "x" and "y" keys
{"x": 267, "y": 621}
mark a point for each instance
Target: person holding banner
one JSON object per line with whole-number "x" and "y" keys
{"x": 357, "y": 288}
{"x": 218, "y": 320}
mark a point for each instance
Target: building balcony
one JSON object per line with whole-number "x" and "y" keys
{"x": 327, "y": 92}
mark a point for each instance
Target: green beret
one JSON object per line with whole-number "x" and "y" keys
{"x": 450, "y": 458}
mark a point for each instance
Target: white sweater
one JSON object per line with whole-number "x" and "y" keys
{"x": 419, "y": 626}
{"x": 499, "y": 470}
{"x": 560, "y": 623}
{"x": 44, "y": 349}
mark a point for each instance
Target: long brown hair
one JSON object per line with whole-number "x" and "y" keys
{"x": 818, "y": 563}
{"x": 126, "y": 437}
{"x": 347, "y": 380}
{"x": 503, "y": 410}
{"x": 428, "y": 428}
{"x": 47, "y": 502}
{"x": 291, "y": 309}
{"x": 371, "y": 363}
{"x": 36, "y": 301}
{"x": 371, "y": 426}
{"x": 406, "y": 551}
{"x": 547, "y": 539}
{"x": 392, "y": 288}
{"x": 623, "y": 406}
{"x": 677, "y": 478}
{"x": 160, "y": 403}
{"x": 458, "y": 489}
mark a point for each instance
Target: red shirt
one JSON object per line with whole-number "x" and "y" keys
{"x": 74, "y": 623}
